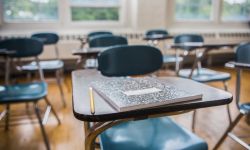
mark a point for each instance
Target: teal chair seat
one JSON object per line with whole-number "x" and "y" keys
{"x": 205, "y": 75}
{"x": 22, "y": 92}
{"x": 45, "y": 65}
{"x": 171, "y": 59}
{"x": 150, "y": 134}
{"x": 245, "y": 107}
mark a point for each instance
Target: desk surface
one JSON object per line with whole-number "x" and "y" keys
{"x": 157, "y": 37}
{"x": 195, "y": 45}
{"x": 95, "y": 51}
{"x": 87, "y": 50}
{"x": 103, "y": 112}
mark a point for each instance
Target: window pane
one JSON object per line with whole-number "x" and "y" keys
{"x": 193, "y": 9}
{"x": 94, "y": 14}
{"x": 236, "y": 10}
{"x": 30, "y": 10}
{"x": 91, "y": 10}
{"x": 95, "y": 2}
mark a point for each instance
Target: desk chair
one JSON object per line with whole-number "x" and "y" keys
{"x": 25, "y": 92}
{"x": 92, "y": 34}
{"x": 198, "y": 73}
{"x": 55, "y": 66}
{"x": 155, "y": 32}
{"x": 107, "y": 40}
{"x": 104, "y": 41}
{"x": 149, "y": 134}
{"x": 167, "y": 59}
{"x": 242, "y": 63}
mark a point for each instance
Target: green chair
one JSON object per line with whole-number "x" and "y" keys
{"x": 50, "y": 66}
{"x": 149, "y": 134}
{"x": 163, "y": 35}
{"x": 242, "y": 63}
{"x": 198, "y": 73}
{"x": 25, "y": 92}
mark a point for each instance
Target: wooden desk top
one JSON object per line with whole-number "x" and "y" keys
{"x": 87, "y": 50}
{"x": 157, "y": 37}
{"x": 207, "y": 46}
{"x": 103, "y": 112}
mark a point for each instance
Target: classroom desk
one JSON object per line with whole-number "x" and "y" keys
{"x": 206, "y": 48}
{"x": 105, "y": 116}
{"x": 86, "y": 53}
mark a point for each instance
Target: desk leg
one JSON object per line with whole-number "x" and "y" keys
{"x": 81, "y": 62}
{"x": 91, "y": 133}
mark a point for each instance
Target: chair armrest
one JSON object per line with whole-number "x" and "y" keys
{"x": 233, "y": 64}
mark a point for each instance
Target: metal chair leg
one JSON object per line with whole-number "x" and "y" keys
{"x": 64, "y": 80}
{"x": 193, "y": 121}
{"x": 229, "y": 129}
{"x": 7, "y": 117}
{"x": 228, "y": 107}
{"x": 45, "y": 137}
{"x": 58, "y": 79}
{"x": 53, "y": 110}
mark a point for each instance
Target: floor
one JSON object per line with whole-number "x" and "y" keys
{"x": 211, "y": 122}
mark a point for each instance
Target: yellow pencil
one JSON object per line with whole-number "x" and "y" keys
{"x": 92, "y": 102}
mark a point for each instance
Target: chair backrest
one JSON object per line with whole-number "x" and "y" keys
{"x": 107, "y": 40}
{"x": 131, "y": 60}
{"x": 92, "y": 34}
{"x": 183, "y": 38}
{"x": 23, "y": 47}
{"x": 46, "y": 38}
{"x": 242, "y": 56}
{"x": 243, "y": 53}
{"x": 156, "y": 31}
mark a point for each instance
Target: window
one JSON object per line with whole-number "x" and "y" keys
{"x": 193, "y": 9}
{"x": 236, "y": 10}
{"x": 30, "y": 10}
{"x": 95, "y": 10}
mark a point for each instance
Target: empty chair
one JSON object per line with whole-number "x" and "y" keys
{"x": 56, "y": 65}
{"x": 154, "y": 133}
{"x": 107, "y": 40}
{"x": 102, "y": 41}
{"x": 154, "y": 36}
{"x": 198, "y": 73}
{"x": 91, "y": 35}
{"x": 156, "y": 32}
{"x": 31, "y": 92}
{"x": 142, "y": 60}
{"x": 242, "y": 63}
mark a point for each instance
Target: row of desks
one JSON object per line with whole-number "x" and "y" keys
{"x": 104, "y": 113}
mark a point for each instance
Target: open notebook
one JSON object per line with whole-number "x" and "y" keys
{"x": 126, "y": 94}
